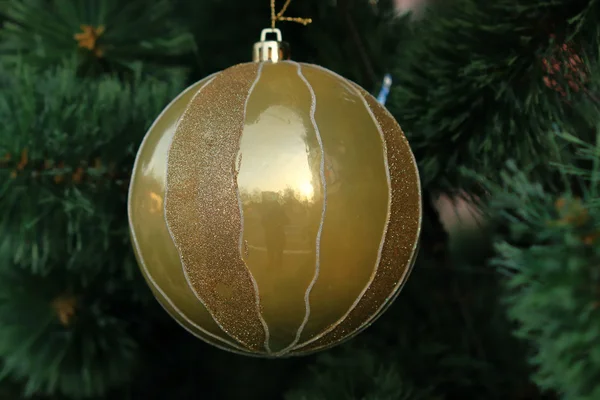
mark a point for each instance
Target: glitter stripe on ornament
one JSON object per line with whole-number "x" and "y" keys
{"x": 201, "y": 204}
{"x": 385, "y": 228}
{"x": 184, "y": 270}
{"x": 383, "y": 116}
{"x": 155, "y": 287}
{"x": 403, "y": 230}
{"x": 313, "y": 108}
{"x": 241, "y": 210}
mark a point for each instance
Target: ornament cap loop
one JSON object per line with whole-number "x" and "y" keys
{"x": 271, "y": 50}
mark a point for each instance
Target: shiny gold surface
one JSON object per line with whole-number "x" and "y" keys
{"x": 357, "y": 201}
{"x": 401, "y": 242}
{"x": 281, "y": 191}
{"x": 291, "y": 187}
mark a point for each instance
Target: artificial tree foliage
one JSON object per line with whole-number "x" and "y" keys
{"x": 499, "y": 101}
{"x": 71, "y": 297}
{"x": 105, "y": 35}
{"x": 475, "y": 79}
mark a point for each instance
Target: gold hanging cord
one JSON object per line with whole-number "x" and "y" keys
{"x": 279, "y": 16}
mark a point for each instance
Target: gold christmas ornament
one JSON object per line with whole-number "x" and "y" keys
{"x": 275, "y": 207}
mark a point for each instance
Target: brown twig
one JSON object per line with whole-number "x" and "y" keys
{"x": 63, "y": 174}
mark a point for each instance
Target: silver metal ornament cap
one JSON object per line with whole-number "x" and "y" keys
{"x": 271, "y": 50}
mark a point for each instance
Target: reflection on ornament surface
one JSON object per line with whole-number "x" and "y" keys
{"x": 275, "y": 209}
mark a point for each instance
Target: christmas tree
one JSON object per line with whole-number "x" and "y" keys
{"x": 499, "y": 101}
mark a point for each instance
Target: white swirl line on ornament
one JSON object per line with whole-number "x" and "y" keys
{"x": 265, "y": 250}
{"x": 402, "y": 281}
{"x": 385, "y": 228}
{"x": 239, "y": 197}
{"x": 137, "y": 245}
{"x": 313, "y": 109}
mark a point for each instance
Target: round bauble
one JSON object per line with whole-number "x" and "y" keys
{"x": 275, "y": 209}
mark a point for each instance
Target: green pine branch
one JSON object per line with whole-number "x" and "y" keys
{"x": 550, "y": 256}
{"x": 62, "y": 333}
{"x": 100, "y": 35}
{"x": 356, "y": 373}
{"x": 69, "y": 286}
{"x": 480, "y": 83}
